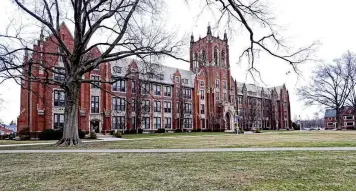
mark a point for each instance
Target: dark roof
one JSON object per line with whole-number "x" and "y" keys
{"x": 330, "y": 113}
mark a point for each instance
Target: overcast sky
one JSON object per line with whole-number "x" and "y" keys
{"x": 303, "y": 21}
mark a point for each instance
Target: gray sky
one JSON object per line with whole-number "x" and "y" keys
{"x": 302, "y": 21}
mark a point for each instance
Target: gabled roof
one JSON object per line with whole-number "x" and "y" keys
{"x": 330, "y": 113}
{"x": 156, "y": 69}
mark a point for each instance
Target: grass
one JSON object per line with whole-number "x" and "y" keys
{"x": 223, "y": 140}
{"x": 180, "y": 171}
{"x": 10, "y": 142}
{"x": 136, "y": 136}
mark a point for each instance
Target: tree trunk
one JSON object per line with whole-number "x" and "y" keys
{"x": 338, "y": 120}
{"x": 70, "y": 131}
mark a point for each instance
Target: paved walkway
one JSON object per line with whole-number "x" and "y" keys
{"x": 183, "y": 150}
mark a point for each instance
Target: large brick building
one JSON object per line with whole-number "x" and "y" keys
{"x": 152, "y": 96}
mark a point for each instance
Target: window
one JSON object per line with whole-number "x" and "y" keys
{"x": 146, "y": 122}
{"x": 59, "y": 99}
{"x": 167, "y": 91}
{"x": 224, "y": 84}
{"x": 202, "y": 123}
{"x": 157, "y": 89}
{"x": 160, "y": 77}
{"x": 187, "y": 108}
{"x": 201, "y": 83}
{"x": 216, "y": 55}
{"x": 330, "y": 124}
{"x": 118, "y": 122}
{"x": 97, "y": 68}
{"x": 348, "y": 117}
{"x": 223, "y": 57}
{"x": 187, "y": 93}
{"x": 349, "y": 123}
{"x": 177, "y": 79}
{"x": 133, "y": 87}
{"x": 59, "y": 74}
{"x": 202, "y": 109}
{"x": 195, "y": 60}
{"x": 157, "y": 106}
{"x": 224, "y": 96}
{"x": 117, "y": 69}
{"x": 167, "y": 107}
{"x": 96, "y": 83}
{"x": 217, "y": 83}
{"x": 94, "y": 104}
{"x": 187, "y": 123}
{"x": 204, "y": 56}
{"x": 118, "y": 104}
{"x": 157, "y": 123}
{"x": 217, "y": 96}
{"x": 202, "y": 94}
{"x": 167, "y": 122}
{"x": 146, "y": 105}
{"x": 240, "y": 100}
{"x": 133, "y": 105}
{"x": 185, "y": 81}
{"x": 58, "y": 121}
{"x": 134, "y": 123}
{"x": 145, "y": 88}
{"x": 119, "y": 85}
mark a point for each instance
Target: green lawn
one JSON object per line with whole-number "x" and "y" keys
{"x": 222, "y": 140}
{"x": 153, "y": 135}
{"x": 10, "y": 142}
{"x": 180, "y": 171}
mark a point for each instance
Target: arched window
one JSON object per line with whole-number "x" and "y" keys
{"x": 204, "y": 57}
{"x": 195, "y": 60}
{"x": 216, "y": 56}
{"x": 223, "y": 57}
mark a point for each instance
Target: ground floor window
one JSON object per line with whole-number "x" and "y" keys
{"x": 58, "y": 121}
{"x": 157, "y": 123}
{"x": 146, "y": 122}
{"x": 203, "y": 123}
{"x": 167, "y": 123}
{"x": 187, "y": 123}
{"x": 330, "y": 124}
{"x": 133, "y": 122}
{"x": 349, "y": 123}
{"x": 118, "y": 122}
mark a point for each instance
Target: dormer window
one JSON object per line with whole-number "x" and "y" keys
{"x": 117, "y": 69}
{"x": 185, "y": 81}
{"x": 177, "y": 79}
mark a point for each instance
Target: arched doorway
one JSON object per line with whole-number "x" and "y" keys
{"x": 95, "y": 126}
{"x": 228, "y": 121}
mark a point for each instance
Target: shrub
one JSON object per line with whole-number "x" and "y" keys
{"x": 196, "y": 130}
{"x": 178, "y": 131}
{"x": 258, "y": 130}
{"x": 81, "y": 134}
{"x": 295, "y": 126}
{"x": 130, "y": 131}
{"x": 117, "y": 134}
{"x": 92, "y": 135}
{"x": 241, "y": 131}
{"x": 140, "y": 131}
{"x": 160, "y": 131}
{"x": 207, "y": 130}
{"x": 50, "y": 134}
{"x": 24, "y": 134}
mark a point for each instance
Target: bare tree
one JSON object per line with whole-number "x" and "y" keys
{"x": 350, "y": 58}
{"x": 331, "y": 86}
{"x": 124, "y": 23}
{"x": 252, "y": 112}
{"x": 256, "y": 16}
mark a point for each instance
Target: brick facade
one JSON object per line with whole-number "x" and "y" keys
{"x": 347, "y": 118}
{"x": 204, "y": 97}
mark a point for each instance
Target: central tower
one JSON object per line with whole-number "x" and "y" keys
{"x": 209, "y": 60}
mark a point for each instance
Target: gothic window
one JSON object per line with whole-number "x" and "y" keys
{"x": 223, "y": 57}
{"x": 195, "y": 60}
{"x": 204, "y": 57}
{"x": 216, "y": 56}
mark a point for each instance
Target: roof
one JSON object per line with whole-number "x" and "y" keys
{"x": 257, "y": 90}
{"x": 157, "y": 69}
{"x": 330, "y": 113}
